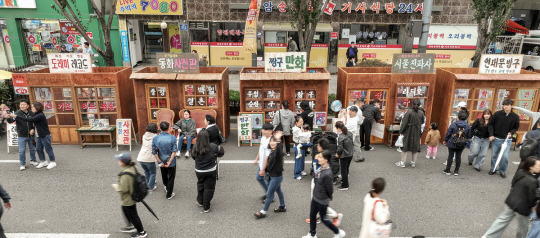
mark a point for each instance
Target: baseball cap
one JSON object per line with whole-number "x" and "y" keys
{"x": 124, "y": 157}
{"x": 204, "y": 55}
{"x": 461, "y": 104}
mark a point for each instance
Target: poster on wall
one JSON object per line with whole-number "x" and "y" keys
{"x": 244, "y": 129}
{"x": 285, "y": 62}
{"x": 320, "y": 119}
{"x": 70, "y": 63}
{"x": 500, "y": 64}
{"x": 177, "y": 63}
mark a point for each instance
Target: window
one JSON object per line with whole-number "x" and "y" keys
{"x": 227, "y": 32}
{"x": 370, "y": 95}
{"x": 265, "y": 100}
{"x": 58, "y": 105}
{"x": 406, "y": 93}
{"x": 97, "y": 103}
{"x": 158, "y": 98}
{"x": 371, "y": 34}
{"x": 308, "y": 95}
{"x": 321, "y": 38}
{"x": 42, "y": 37}
{"x": 200, "y": 95}
{"x": 275, "y": 37}
{"x": 199, "y": 35}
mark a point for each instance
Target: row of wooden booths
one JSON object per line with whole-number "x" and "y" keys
{"x": 115, "y": 92}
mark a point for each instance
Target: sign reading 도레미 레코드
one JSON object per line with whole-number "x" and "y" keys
{"x": 285, "y": 62}
{"x": 149, "y": 7}
{"x": 17, "y": 3}
{"x": 415, "y": 63}
{"x": 500, "y": 64}
{"x": 177, "y": 63}
{"x": 70, "y": 63}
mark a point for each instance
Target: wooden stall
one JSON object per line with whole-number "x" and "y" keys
{"x": 395, "y": 91}
{"x": 208, "y": 89}
{"x": 264, "y": 92}
{"x": 71, "y": 99}
{"x": 484, "y": 91}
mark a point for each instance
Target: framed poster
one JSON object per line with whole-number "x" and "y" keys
{"x": 320, "y": 119}
{"x": 244, "y": 129}
{"x": 257, "y": 121}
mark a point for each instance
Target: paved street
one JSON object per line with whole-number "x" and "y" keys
{"x": 76, "y": 197}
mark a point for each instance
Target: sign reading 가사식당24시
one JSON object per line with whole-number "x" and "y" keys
{"x": 70, "y": 63}
{"x": 415, "y": 63}
{"x": 285, "y": 62}
{"x": 185, "y": 63}
{"x": 500, "y": 64}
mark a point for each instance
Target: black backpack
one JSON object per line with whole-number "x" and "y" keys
{"x": 140, "y": 187}
{"x": 528, "y": 148}
{"x": 459, "y": 139}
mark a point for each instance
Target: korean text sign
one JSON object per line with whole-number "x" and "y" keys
{"x": 177, "y": 63}
{"x": 149, "y": 7}
{"x": 244, "y": 123}
{"x": 500, "y": 64}
{"x": 415, "y": 63}
{"x": 20, "y": 84}
{"x": 70, "y": 63}
{"x": 285, "y": 62}
{"x": 123, "y": 131}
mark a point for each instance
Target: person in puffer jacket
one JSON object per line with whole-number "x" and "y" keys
{"x": 345, "y": 152}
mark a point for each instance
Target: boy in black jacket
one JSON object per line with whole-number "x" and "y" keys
{"x": 503, "y": 124}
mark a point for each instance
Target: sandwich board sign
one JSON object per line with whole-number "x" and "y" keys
{"x": 244, "y": 129}
{"x": 125, "y": 132}
{"x": 12, "y": 136}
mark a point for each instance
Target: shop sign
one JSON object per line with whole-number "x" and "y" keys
{"x": 414, "y": 63}
{"x": 20, "y": 84}
{"x": 31, "y": 39}
{"x": 149, "y": 7}
{"x": 450, "y": 37}
{"x": 250, "y": 37}
{"x": 177, "y": 63}
{"x": 71, "y": 39}
{"x": 36, "y": 47}
{"x": 13, "y": 137}
{"x": 329, "y": 8}
{"x": 123, "y": 131}
{"x": 333, "y": 35}
{"x": 67, "y": 28}
{"x": 500, "y": 64}
{"x": 285, "y": 62}
{"x": 17, "y": 3}
{"x": 353, "y": 7}
{"x": 70, "y": 63}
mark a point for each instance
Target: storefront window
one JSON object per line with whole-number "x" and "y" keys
{"x": 199, "y": 35}
{"x": 97, "y": 103}
{"x": 57, "y": 105}
{"x": 321, "y": 37}
{"x": 41, "y": 37}
{"x": 227, "y": 32}
{"x": 158, "y": 98}
{"x": 275, "y": 37}
{"x": 371, "y": 34}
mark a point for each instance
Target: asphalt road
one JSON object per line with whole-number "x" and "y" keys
{"x": 76, "y": 197}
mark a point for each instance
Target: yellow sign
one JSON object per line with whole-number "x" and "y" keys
{"x": 202, "y": 48}
{"x": 318, "y": 56}
{"x": 383, "y": 53}
{"x": 452, "y": 58}
{"x": 149, "y": 7}
{"x": 275, "y": 47}
{"x": 175, "y": 43}
{"x": 250, "y": 36}
{"x": 229, "y": 54}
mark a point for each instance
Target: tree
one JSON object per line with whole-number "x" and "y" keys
{"x": 64, "y": 7}
{"x": 304, "y": 15}
{"x": 491, "y": 16}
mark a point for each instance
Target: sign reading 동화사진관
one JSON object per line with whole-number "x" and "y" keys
{"x": 415, "y": 63}
{"x": 177, "y": 63}
{"x": 70, "y": 63}
{"x": 500, "y": 64}
{"x": 285, "y": 62}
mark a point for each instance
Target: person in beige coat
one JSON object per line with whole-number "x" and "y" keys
{"x": 432, "y": 140}
{"x": 372, "y": 201}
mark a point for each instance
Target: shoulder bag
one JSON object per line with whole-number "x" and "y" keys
{"x": 377, "y": 230}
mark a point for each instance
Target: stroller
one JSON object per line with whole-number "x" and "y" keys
{"x": 332, "y": 137}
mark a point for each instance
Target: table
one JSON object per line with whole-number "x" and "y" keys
{"x": 88, "y": 131}
{"x": 392, "y": 130}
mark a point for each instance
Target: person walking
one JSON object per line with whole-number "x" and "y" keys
{"x": 306, "y": 113}
{"x": 480, "y": 141}
{"x": 262, "y": 155}
{"x": 164, "y": 150}
{"x": 503, "y": 124}
{"x": 7, "y": 204}
{"x": 375, "y": 208}
{"x": 356, "y": 133}
{"x": 125, "y": 189}
{"x": 345, "y": 152}
{"x": 456, "y": 140}
{"x": 273, "y": 168}
{"x": 285, "y": 117}
{"x": 25, "y": 133}
{"x": 212, "y": 129}
{"x": 205, "y": 155}
{"x": 352, "y": 52}
{"x": 519, "y": 203}
{"x": 534, "y": 133}
{"x": 43, "y": 135}
{"x": 371, "y": 114}
{"x": 534, "y": 232}
{"x": 432, "y": 140}
{"x": 411, "y": 129}
{"x": 146, "y": 158}
{"x": 323, "y": 192}
{"x": 186, "y": 129}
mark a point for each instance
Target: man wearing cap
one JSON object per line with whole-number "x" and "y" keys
{"x": 352, "y": 51}
{"x": 503, "y": 124}
{"x": 202, "y": 61}
{"x": 164, "y": 148}
{"x": 292, "y": 46}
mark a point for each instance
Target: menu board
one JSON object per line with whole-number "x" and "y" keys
{"x": 200, "y": 95}
{"x": 177, "y": 63}
{"x": 158, "y": 98}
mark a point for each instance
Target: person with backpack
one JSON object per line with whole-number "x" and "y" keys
{"x": 480, "y": 140}
{"x": 126, "y": 187}
{"x": 531, "y": 144}
{"x": 285, "y": 118}
{"x": 411, "y": 129}
{"x": 456, "y": 139}
{"x": 164, "y": 149}
{"x": 344, "y": 152}
{"x": 503, "y": 125}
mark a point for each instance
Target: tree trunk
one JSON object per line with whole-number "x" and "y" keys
{"x": 483, "y": 42}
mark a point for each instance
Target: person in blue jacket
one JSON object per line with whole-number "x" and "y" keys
{"x": 457, "y": 131}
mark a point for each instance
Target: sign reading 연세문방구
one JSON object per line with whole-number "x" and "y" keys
{"x": 500, "y": 64}
{"x": 415, "y": 63}
{"x": 285, "y": 62}
{"x": 149, "y": 7}
{"x": 186, "y": 63}
{"x": 70, "y": 63}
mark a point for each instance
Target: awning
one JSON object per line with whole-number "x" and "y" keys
{"x": 512, "y": 26}
{"x": 5, "y": 75}
{"x": 286, "y": 26}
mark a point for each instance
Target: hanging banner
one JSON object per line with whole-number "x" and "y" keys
{"x": 500, "y": 64}
{"x": 244, "y": 129}
{"x": 250, "y": 35}
{"x": 20, "y": 84}
{"x": 175, "y": 42}
{"x": 149, "y": 7}
{"x": 67, "y": 28}
{"x": 70, "y": 63}
{"x": 285, "y": 62}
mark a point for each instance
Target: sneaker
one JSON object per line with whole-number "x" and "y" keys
{"x": 299, "y": 156}
{"x": 360, "y": 160}
{"x": 259, "y": 215}
{"x": 42, "y": 164}
{"x": 335, "y": 181}
{"x": 303, "y": 173}
{"x": 187, "y": 154}
{"x": 207, "y": 210}
{"x": 299, "y": 178}
{"x": 288, "y": 154}
{"x": 370, "y": 148}
{"x": 340, "y": 234}
{"x": 139, "y": 235}
{"x": 34, "y": 163}
{"x": 400, "y": 164}
{"x": 51, "y": 165}
{"x": 165, "y": 187}
{"x": 503, "y": 175}
{"x": 155, "y": 187}
{"x": 470, "y": 163}
{"x": 447, "y": 173}
{"x": 318, "y": 220}
{"x": 427, "y": 157}
{"x": 399, "y": 150}
{"x": 445, "y": 163}
{"x": 456, "y": 174}
{"x": 128, "y": 229}
{"x": 433, "y": 157}
{"x": 413, "y": 164}
{"x": 337, "y": 220}
{"x": 343, "y": 189}
{"x": 198, "y": 204}
{"x": 491, "y": 173}
{"x": 309, "y": 235}
{"x": 177, "y": 155}
{"x": 23, "y": 167}
{"x": 172, "y": 195}
{"x": 477, "y": 169}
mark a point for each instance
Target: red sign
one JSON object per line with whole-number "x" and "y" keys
{"x": 369, "y": 55}
{"x": 199, "y": 43}
{"x": 333, "y": 35}
{"x": 275, "y": 45}
{"x": 54, "y": 41}
{"x": 6, "y": 39}
{"x": 440, "y": 56}
{"x": 330, "y": 8}
{"x": 20, "y": 84}
{"x": 90, "y": 34}
{"x": 232, "y": 53}
{"x": 31, "y": 39}
{"x": 67, "y": 28}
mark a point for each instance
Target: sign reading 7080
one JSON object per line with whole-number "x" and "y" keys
{"x": 149, "y": 7}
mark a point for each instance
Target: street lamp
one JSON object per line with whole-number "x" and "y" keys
{"x": 163, "y": 25}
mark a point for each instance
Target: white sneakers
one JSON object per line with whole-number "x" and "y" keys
{"x": 187, "y": 154}
{"x": 34, "y": 163}
{"x": 299, "y": 178}
{"x": 427, "y": 157}
{"x": 51, "y": 165}
{"x": 341, "y": 234}
{"x": 42, "y": 164}
{"x": 22, "y": 167}
{"x": 400, "y": 164}
{"x": 413, "y": 164}
{"x": 309, "y": 236}
{"x": 303, "y": 173}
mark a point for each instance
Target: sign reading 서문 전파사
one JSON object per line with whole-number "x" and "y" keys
{"x": 500, "y": 64}
{"x": 285, "y": 62}
{"x": 184, "y": 63}
{"x": 70, "y": 63}
{"x": 415, "y": 63}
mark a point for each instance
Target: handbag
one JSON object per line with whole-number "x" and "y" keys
{"x": 222, "y": 138}
{"x": 399, "y": 141}
{"x": 279, "y": 126}
{"x": 377, "y": 230}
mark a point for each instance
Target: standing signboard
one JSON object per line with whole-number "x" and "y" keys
{"x": 20, "y": 84}
{"x": 415, "y": 63}
{"x": 178, "y": 63}
{"x": 70, "y": 63}
{"x": 500, "y": 64}
{"x": 124, "y": 132}
{"x": 244, "y": 129}
{"x": 12, "y": 136}
{"x": 285, "y": 62}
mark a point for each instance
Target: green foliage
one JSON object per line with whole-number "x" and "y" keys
{"x": 497, "y": 10}
{"x": 5, "y": 95}
{"x": 234, "y": 96}
{"x": 301, "y": 9}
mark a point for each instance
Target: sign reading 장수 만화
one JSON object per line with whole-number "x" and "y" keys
{"x": 70, "y": 63}
{"x": 500, "y": 64}
{"x": 415, "y": 63}
{"x": 177, "y": 63}
{"x": 285, "y": 62}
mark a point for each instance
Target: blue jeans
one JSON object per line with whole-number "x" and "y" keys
{"x": 299, "y": 164}
{"x": 274, "y": 186}
{"x": 181, "y": 142}
{"x": 150, "y": 173}
{"x": 535, "y": 227}
{"x": 479, "y": 148}
{"x": 22, "y": 150}
{"x": 495, "y": 150}
{"x": 261, "y": 180}
{"x": 44, "y": 142}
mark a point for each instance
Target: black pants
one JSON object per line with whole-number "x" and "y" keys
{"x": 131, "y": 215}
{"x": 321, "y": 209}
{"x": 287, "y": 140}
{"x": 451, "y": 153}
{"x": 345, "y": 163}
{"x": 206, "y": 185}
{"x": 2, "y": 235}
{"x": 168, "y": 174}
{"x": 365, "y": 134}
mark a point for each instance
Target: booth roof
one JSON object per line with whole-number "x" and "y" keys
{"x": 206, "y": 73}
{"x": 472, "y": 74}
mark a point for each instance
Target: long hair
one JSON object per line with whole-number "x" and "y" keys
{"x": 341, "y": 126}
{"x": 483, "y": 121}
{"x": 202, "y": 146}
{"x": 416, "y": 104}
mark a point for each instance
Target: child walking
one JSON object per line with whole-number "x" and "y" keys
{"x": 432, "y": 140}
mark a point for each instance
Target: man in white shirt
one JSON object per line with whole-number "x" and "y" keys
{"x": 356, "y": 133}
{"x": 262, "y": 155}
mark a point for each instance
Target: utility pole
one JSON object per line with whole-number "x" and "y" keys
{"x": 426, "y": 20}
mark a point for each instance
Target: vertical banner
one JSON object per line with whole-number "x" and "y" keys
{"x": 124, "y": 41}
{"x": 244, "y": 129}
{"x": 175, "y": 41}
{"x": 12, "y": 136}
{"x": 250, "y": 36}
{"x": 124, "y": 127}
